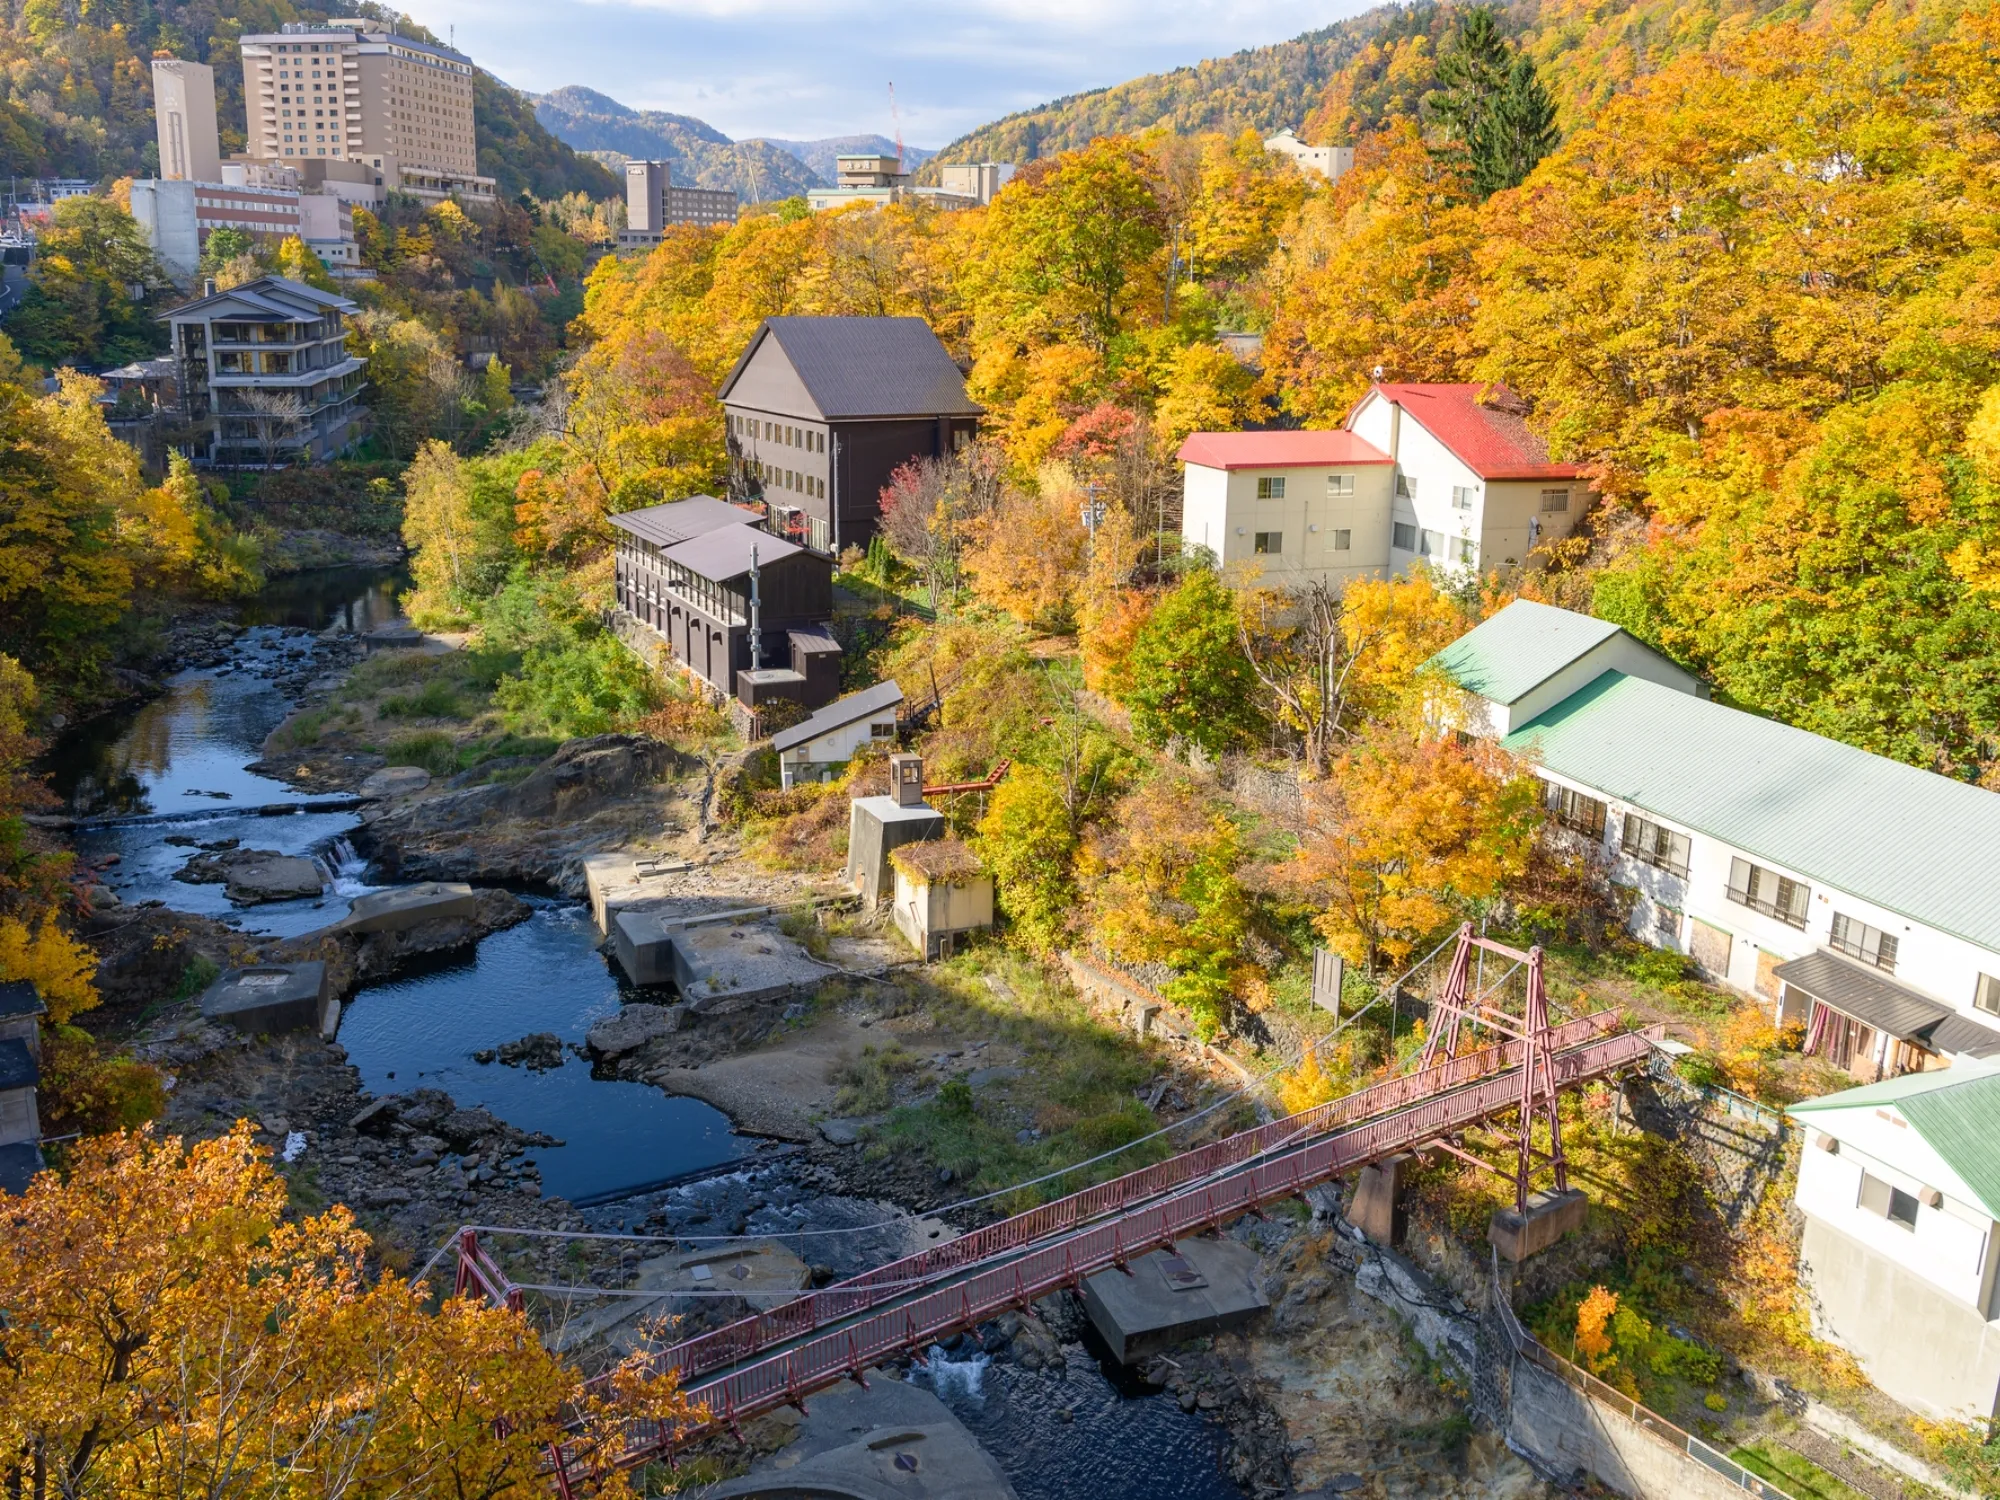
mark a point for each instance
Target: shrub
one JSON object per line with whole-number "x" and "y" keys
{"x": 433, "y": 750}
{"x": 437, "y": 699}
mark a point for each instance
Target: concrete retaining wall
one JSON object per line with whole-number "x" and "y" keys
{"x": 1567, "y": 1433}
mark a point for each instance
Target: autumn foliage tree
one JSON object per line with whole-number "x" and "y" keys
{"x": 171, "y": 1331}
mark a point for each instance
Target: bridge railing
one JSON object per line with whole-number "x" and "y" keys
{"x": 747, "y": 1337}
{"x": 1066, "y": 1259}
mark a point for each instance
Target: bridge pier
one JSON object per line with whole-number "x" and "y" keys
{"x": 1376, "y": 1209}
{"x": 1550, "y": 1216}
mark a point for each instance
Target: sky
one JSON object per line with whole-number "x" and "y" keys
{"x": 804, "y": 69}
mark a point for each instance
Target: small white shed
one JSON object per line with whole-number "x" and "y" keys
{"x": 942, "y": 891}
{"x": 825, "y": 740}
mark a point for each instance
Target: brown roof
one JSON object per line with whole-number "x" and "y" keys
{"x": 933, "y": 860}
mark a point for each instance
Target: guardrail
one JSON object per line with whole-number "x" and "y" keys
{"x": 837, "y": 1354}
{"x": 1528, "y": 1347}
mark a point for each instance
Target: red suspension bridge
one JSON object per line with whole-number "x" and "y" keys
{"x": 781, "y": 1356}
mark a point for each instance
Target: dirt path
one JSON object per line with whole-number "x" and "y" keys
{"x": 780, "y": 1089}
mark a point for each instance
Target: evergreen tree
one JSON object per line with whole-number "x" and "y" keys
{"x": 1518, "y": 131}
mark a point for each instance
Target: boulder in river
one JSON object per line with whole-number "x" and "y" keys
{"x": 395, "y": 781}
{"x": 632, "y": 1028}
{"x": 537, "y": 1053}
{"x": 252, "y": 876}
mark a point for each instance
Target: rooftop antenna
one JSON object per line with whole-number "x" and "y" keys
{"x": 898, "y": 121}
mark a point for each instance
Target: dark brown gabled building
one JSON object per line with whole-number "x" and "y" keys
{"x": 684, "y": 572}
{"x": 821, "y": 411}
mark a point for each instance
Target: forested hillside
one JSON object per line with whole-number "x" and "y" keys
{"x": 1347, "y": 79}
{"x": 756, "y": 171}
{"x": 76, "y": 96}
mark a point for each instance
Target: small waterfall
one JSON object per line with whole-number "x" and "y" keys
{"x": 956, "y": 1377}
{"x": 341, "y": 867}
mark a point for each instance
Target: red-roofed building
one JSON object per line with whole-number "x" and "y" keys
{"x": 1474, "y": 486}
{"x": 1447, "y": 474}
{"x": 1288, "y": 507}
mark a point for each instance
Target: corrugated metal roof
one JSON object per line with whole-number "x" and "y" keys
{"x": 1914, "y": 842}
{"x": 17, "y": 1065}
{"x": 1956, "y": 1111}
{"x": 838, "y": 714}
{"x": 269, "y": 296}
{"x": 680, "y": 520}
{"x": 1279, "y": 450}
{"x": 1960, "y": 1036}
{"x": 867, "y": 367}
{"x": 1509, "y": 656}
{"x": 18, "y": 1165}
{"x": 1864, "y": 995}
{"x": 19, "y": 997}
{"x": 1485, "y": 426}
{"x": 726, "y": 552}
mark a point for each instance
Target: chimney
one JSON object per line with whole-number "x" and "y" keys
{"x": 906, "y": 780}
{"x": 208, "y": 286}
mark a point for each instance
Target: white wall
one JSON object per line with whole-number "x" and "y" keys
{"x": 1617, "y": 653}
{"x": 836, "y": 747}
{"x": 1220, "y": 511}
{"x": 1952, "y": 1247}
{"x": 1936, "y": 964}
{"x": 164, "y": 212}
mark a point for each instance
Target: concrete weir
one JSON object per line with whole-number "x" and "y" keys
{"x": 409, "y": 906}
{"x": 891, "y": 1441}
{"x": 269, "y": 998}
{"x": 1202, "y": 1286}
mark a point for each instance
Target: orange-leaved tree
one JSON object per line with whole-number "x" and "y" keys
{"x": 1407, "y": 834}
{"x": 170, "y": 1332}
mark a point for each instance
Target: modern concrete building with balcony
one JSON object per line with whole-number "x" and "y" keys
{"x": 265, "y": 374}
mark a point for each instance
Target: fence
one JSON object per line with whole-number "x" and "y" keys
{"x": 1526, "y": 1346}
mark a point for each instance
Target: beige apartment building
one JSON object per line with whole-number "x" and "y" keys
{"x": 184, "y": 112}
{"x": 349, "y": 91}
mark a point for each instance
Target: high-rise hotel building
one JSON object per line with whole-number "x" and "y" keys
{"x": 351, "y": 92}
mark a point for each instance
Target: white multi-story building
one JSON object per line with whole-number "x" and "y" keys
{"x": 1851, "y": 893}
{"x": 1330, "y": 162}
{"x": 1447, "y": 475}
{"x": 353, "y": 91}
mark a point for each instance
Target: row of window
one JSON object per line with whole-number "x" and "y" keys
{"x": 803, "y": 484}
{"x": 1751, "y": 885}
{"x": 778, "y": 432}
{"x": 1553, "y": 501}
{"x": 1410, "y": 538}
{"x": 1272, "y": 543}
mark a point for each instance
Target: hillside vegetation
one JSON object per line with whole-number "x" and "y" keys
{"x": 76, "y": 90}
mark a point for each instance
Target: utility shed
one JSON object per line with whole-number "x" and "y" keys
{"x": 20, "y": 1074}
{"x": 877, "y": 825}
{"x": 942, "y": 893}
{"x": 817, "y": 746}
{"x": 21, "y": 1012}
{"x": 1899, "y": 1183}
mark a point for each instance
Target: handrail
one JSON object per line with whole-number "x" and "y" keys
{"x": 748, "y": 1336}
{"x": 1064, "y": 1259}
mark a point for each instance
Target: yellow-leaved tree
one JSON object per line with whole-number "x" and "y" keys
{"x": 171, "y": 1332}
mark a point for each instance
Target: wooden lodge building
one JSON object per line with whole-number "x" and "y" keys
{"x": 821, "y": 411}
{"x": 701, "y": 575}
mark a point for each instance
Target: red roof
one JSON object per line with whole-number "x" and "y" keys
{"x": 1485, "y": 426}
{"x": 1279, "y": 450}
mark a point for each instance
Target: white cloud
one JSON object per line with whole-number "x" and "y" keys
{"x": 808, "y": 68}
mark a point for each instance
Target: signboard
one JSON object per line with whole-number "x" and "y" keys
{"x": 1328, "y": 971}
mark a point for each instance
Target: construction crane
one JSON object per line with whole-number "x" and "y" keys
{"x": 897, "y": 121}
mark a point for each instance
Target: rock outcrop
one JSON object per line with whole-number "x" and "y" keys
{"x": 250, "y": 877}
{"x": 591, "y": 794}
{"x": 632, "y": 1028}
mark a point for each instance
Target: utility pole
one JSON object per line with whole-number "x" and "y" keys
{"x": 756, "y": 616}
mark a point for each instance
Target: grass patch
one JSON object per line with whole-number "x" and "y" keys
{"x": 803, "y": 928}
{"x": 1075, "y": 1097}
{"x": 1797, "y": 1474}
{"x": 432, "y": 749}
{"x": 436, "y": 699}
{"x": 868, "y": 1084}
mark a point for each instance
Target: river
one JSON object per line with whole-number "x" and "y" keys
{"x": 158, "y": 779}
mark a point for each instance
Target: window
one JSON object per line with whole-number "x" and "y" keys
{"x": 1574, "y": 810}
{"x": 1554, "y": 501}
{"x": 1986, "y": 995}
{"x": 1405, "y": 536}
{"x": 1869, "y": 944}
{"x": 1646, "y": 840}
{"x": 1769, "y": 892}
{"x": 1888, "y": 1201}
{"x": 1430, "y": 544}
{"x": 1461, "y": 497}
{"x": 1465, "y": 550}
{"x": 881, "y": 731}
{"x": 1339, "y": 486}
{"x": 1406, "y": 487}
{"x": 1270, "y": 489}
{"x": 1268, "y": 543}
{"x": 1343, "y": 540}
